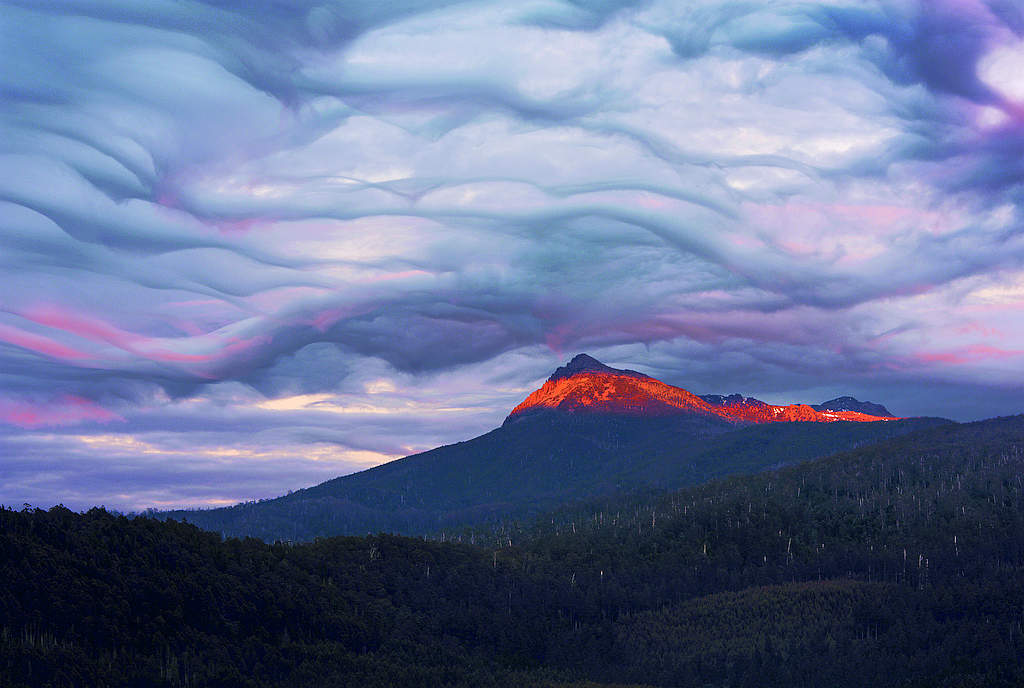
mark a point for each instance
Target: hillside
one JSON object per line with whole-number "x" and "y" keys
{"x": 899, "y": 564}
{"x": 536, "y": 464}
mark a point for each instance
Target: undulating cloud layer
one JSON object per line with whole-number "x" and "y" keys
{"x": 246, "y": 247}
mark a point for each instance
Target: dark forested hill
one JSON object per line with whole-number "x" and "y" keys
{"x": 538, "y": 463}
{"x": 896, "y": 564}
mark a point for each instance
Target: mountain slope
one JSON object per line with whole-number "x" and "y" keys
{"x": 610, "y": 432}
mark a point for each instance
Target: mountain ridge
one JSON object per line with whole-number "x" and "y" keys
{"x": 848, "y": 403}
{"x": 586, "y": 385}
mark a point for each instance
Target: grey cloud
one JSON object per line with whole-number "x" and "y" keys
{"x": 935, "y": 43}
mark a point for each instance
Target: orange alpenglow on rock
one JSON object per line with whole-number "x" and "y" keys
{"x": 585, "y": 385}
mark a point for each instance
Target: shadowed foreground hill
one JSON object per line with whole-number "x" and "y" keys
{"x": 899, "y": 564}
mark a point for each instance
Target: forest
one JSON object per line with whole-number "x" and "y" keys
{"x": 895, "y": 564}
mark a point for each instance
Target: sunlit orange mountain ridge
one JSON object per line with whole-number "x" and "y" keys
{"x": 585, "y": 385}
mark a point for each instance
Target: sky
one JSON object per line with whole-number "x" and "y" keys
{"x": 246, "y": 247}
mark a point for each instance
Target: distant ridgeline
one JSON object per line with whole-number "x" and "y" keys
{"x": 893, "y": 565}
{"x": 590, "y": 430}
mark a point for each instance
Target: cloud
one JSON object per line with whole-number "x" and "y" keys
{"x": 208, "y": 206}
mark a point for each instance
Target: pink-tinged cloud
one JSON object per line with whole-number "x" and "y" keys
{"x": 979, "y": 329}
{"x": 404, "y": 274}
{"x": 326, "y": 319}
{"x": 970, "y": 354}
{"x": 219, "y": 349}
{"x": 98, "y": 330}
{"x": 83, "y": 326}
{"x": 193, "y": 329}
{"x": 559, "y": 336}
{"x": 168, "y": 356}
{"x": 153, "y": 349}
{"x": 913, "y": 289}
{"x": 64, "y": 410}
{"x": 873, "y": 219}
{"x": 238, "y": 345}
{"x": 40, "y": 344}
{"x": 284, "y": 297}
{"x": 243, "y": 226}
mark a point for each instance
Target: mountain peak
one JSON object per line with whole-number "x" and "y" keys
{"x": 851, "y": 404}
{"x": 585, "y": 385}
{"x": 583, "y": 363}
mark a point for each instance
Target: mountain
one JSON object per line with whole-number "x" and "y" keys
{"x": 851, "y": 404}
{"x": 583, "y": 364}
{"x": 731, "y": 400}
{"x": 589, "y": 431}
{"x": 893, "y": 565}
{"x": 585, "y": 385}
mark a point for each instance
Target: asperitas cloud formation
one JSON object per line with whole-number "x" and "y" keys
{"x": 245, "y": 247}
